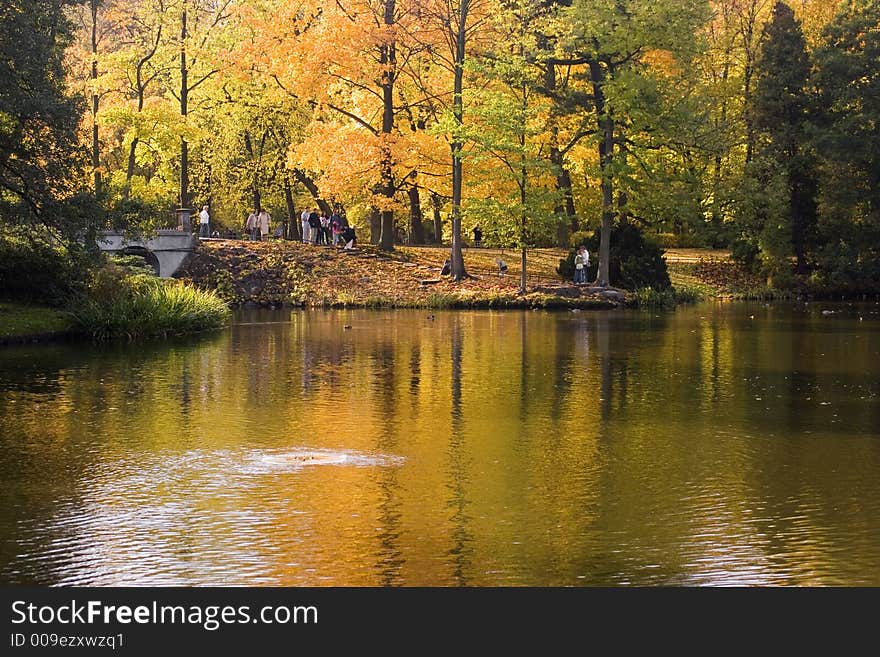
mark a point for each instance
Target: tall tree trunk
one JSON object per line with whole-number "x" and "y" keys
{"x": 389, "y": 62}
{"x": 292, "y": 230}
{"x": 375, "y": 226}
{"x": 256, "y": 197}
{"x": 140, "y": 91}
{"x": 96, "y": 147}
{"x": 416, "y": 227}
{"x": 438, "y": 219}
{"x": 749, "y": 23}
{"x": 564, "y": 182}
{"x": 622, "y": 196}
{"x": 717, "y": 164}
{"x": 459, "y": 36}
{"x": 564, "y": 209}
{"x": 606, "y": 154}
{"x": 184, "y": 93}
{"x": 523, "y": 188}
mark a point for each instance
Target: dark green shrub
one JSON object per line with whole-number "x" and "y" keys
{"x": 34, "y": 271}
{"x": 635, "y": 262}
{"x": 745, "y": 252}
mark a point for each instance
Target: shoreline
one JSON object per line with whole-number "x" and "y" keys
{"x": 279, "y": 275}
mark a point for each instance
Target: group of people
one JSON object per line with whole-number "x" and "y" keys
{"x": 257, "y": 224}
{"x": 327, "y": 230}
{"x": 581, "y": 264}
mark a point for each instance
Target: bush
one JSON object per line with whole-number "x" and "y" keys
{"x": 745, "y": 252}
{"x": 635, "y": 262}
{"x": 34, "y": 271}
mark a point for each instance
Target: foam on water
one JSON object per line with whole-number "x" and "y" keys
{"x": 278, "y": 461}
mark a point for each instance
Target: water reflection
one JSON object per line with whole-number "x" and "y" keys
{"x": 714, "y": 445}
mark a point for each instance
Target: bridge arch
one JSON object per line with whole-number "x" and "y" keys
{"x": 143, "y": 252}
{"x": 166, "y": 251}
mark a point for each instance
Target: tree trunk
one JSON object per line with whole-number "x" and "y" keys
{"x": 622, "y": 196}
{"x": 292, "y": 230}
{"x": 96, "y": 147}
{"x": 416, "y": 228}
{"x": 438, "y": 220}
{"x": 140, "y": 90}
{"x": 256, "y": 197}
{"x": 184, "y": 92}
{"x": 523, "y": 187}
{"x": 564, "y": 209}
{"x": 748, "y": 33}
{"x": 375, "y": 226}
{"x": 312, "y": 189}
{"x": 389, "y": 61}
{"x": 606, "y": 154}
{"x": 459, "y": 36}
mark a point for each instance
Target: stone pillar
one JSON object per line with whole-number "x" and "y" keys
{"x": 184, "y": 219}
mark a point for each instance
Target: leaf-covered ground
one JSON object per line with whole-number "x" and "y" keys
{"x": 713, "y": 274}
{"x": 278, "y": 272}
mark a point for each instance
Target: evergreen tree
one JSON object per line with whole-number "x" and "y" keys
{"x": 848, "y": 80}
{"x": 781, "y": 112}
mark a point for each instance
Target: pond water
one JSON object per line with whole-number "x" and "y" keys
{"x": 711, "y": 445}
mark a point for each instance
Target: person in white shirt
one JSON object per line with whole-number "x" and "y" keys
{"x": 204, "y": 219}
{"x": 305, "y": 225}
{"x": 263, "y": 220}
{"x": 252, "y": 225}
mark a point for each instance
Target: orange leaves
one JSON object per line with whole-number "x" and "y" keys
{"x": 662, "y": 62}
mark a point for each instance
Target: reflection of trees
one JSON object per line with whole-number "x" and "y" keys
{"x": 79, "y": 406}
{"x": 564, "y": 364}
{"x": 459, "y": 481}
{"x": 603, "y": 347}
{"x": 391, "y": 558}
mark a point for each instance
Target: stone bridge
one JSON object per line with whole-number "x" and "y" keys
{"x": 166, "y": 251}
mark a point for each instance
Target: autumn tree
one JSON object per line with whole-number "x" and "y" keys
{"x": 509, "y": 128}
{"x": 451, "y": 29}
{"x": 610, "y": 40}
{"x": 345, "y": 60}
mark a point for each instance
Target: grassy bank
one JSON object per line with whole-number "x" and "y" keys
{"x": 23, "y": 323}
{"x": 145, "y": 309}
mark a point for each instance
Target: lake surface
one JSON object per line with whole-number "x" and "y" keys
{"x": 719, "y": 444}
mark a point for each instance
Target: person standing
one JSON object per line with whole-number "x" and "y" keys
{"x": 586, "y": 263}
{"x": 579, "y": 271}
{"x": 314, "y": 226}
{"x": 252, "y": 225}
{"x": 335, "y": 228}
{"x": 304, "y": 219}
{"x": 478, "y": 237}
{"x": 204, "y": 222}
{"x": 264, "y": 219}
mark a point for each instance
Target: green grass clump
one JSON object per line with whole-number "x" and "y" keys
{"x": 648, "y": 297}
{"x": 145, "y": 307}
